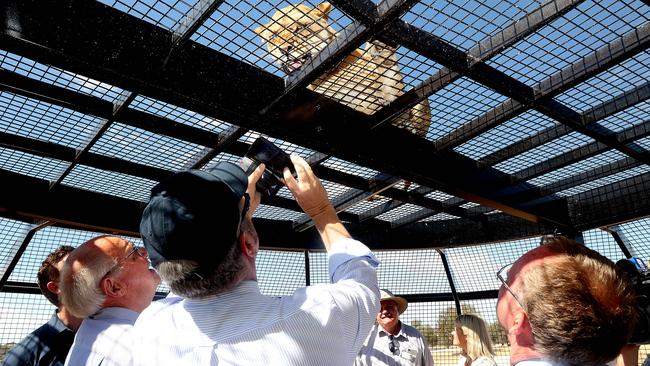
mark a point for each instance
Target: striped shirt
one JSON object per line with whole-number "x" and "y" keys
{"x": 410, "y": 348}
{"x": 317, "y": 325}
{"x": 104, "y": 338}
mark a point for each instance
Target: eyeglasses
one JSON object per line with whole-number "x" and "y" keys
{"x": 393, "y": 346}
{"x": 504, "y": 281}
{"x": 139, "y": 251}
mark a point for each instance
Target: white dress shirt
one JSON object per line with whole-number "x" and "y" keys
{"x": 317, "y": 325}
{"x": 410, "y": 348}
{"x": 104, "y": 339}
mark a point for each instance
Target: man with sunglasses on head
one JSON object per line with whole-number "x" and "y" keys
{"x": 199, "y": 232}
{"x": 564, "y": 304}
{"x": 106, "y": 280}
{"x": 391, "y": 342}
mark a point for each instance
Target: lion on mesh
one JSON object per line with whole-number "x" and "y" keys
{"x": 365, "y": 80}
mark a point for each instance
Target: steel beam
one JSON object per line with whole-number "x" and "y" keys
{"x": 95, "y": 40}
{"x": 594, "y": 114}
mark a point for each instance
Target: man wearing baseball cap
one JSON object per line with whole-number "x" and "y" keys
{"x": 199, "y": 233}
{"x": 392, "y": 342}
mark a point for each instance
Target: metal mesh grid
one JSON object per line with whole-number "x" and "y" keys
{"x": 412, "y": 272}
{"x": 439, "y": 196}
{"x": 458, "y": 103}
{"x": 178, "y": 114}
{"x": 145, "y": 147}
{"x": 28, "y": 164}
{"x": 231, "y": 30}
{"x": 12, "y": 233}
{"x": 399, "y": 212}
{"x": 349, "y": 168}
{"x": 474, "y": 268}
{"x": 44, "y": 121}
{"x": 277, "y": 213}
{"x": 163, "y": 13}
{"x": 440, "y": 217}
{"x": 288, "y": 147}
{"x": 465, "y": 24}
{"x": 115, "y": 184}
{"x": 541, "y": 153}
{"x": 55, "y": 76}
{"x": 607, "y": 85}
{"x": 644, "y": 143}
{"x": 593, "y": 24}
{"x": 367, "y": 206}
{"x": 526, "y": 125}
{"x": 280, "y": 273}
{"x": 627, "y": 117}
{"x": 21, "y": 314}
{"x": 602, "y": 242}
{"x": 576, "y": 168}
{"x": 636, "y": 236}
{"x": 318, "y": 273}
{"x": 604, "y": 181}
{"x": 43, "y": 243}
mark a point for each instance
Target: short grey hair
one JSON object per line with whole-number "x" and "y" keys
{"x": 81, "y": 292}
{"x": 187, "y": 279}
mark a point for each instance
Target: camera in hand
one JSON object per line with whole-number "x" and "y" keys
{"x": 274, "y": 159}
{"x": 637, "y": 271}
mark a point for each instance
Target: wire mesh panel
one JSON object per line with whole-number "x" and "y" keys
{"x": 12, "y": 234}
{"x": 603, "y": 243}
{"x": 145, "y": 147}
{"x": 411, "y": 272}
{"x": 59, "y": 77}
{"x": 474, "y": 268}
{"x": 466, "y": 23}
{"x": 20, "y": 315}
{"x": 280, "y": 273}
{"x": 636, "y": 236}
{"x": 163, "y": 13}
{"x": 32, "y": 165}
{"x": 593, "y": 24}
{"x": 44, "y": 121}
{"x": 115, "y": 184}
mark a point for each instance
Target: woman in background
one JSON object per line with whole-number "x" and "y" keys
{"x": 472, "y": 337}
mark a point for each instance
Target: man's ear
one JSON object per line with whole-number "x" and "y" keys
{"x": 520, "y": 323}
{"x": 247, "y": 244}
{"x": 112, "y": 287}
{"x": 53, "y": 287}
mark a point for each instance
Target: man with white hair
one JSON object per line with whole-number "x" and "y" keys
{"x": 391, "y": 342}
{"x": 197, "y": 228}
{"x": 106, "y": 280}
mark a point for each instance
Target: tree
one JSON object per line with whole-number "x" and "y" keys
{"x": 497, "y": 334}
{"x": 447, "y": 323}
{"x": 427, "y": 332}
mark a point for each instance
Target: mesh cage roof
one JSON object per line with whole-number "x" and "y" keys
{"x": 434, "y": 126}
{"x": 423, "y": 119}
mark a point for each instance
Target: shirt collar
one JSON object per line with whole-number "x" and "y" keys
{"x": 383, "y": 332}
{"x": 117, "y": 315}
{"x": 234, "y": 295}
{"x": 57, "y": 324}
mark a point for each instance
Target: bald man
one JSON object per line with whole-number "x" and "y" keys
{"x": 107, "y": 280}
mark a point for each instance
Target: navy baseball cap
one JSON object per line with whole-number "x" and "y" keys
{"x": 194, "y": 215}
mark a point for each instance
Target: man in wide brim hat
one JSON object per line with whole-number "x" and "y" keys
{"x": 391, "y": 342}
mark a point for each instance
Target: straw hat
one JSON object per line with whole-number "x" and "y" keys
{"x": 401, "y": 302}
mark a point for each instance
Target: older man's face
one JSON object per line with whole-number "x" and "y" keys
{"x": 506, "y": 303}
{"x": 388, "y": 315}
{"x": 133, "y": 271}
